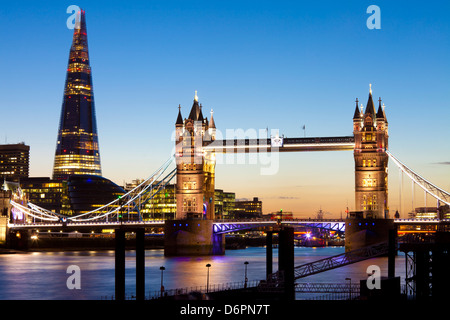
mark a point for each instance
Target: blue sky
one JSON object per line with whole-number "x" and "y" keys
{"x": 258, "y": 64}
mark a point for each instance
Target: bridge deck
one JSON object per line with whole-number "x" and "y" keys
{"x": 221, "y": 226}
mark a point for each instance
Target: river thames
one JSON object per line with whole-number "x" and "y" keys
{"x": 43, "y": 275}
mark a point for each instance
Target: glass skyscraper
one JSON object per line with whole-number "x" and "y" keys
{"x": 77, "y": 149}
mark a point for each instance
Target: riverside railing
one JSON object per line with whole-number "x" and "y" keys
{"x": 201, "y": 290}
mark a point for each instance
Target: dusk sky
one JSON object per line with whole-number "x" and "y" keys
{"x": 258, "y": 64}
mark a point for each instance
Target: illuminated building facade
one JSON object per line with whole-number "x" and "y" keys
{"x": 441, "y": 212}
{"x": 47, "y": 193}
{"x": 370, "y": 129}
{"x": 247, "y": 209}
{"x": 164, "y": 205}
{"x": 76, "y": 195}
{"x": 14, "y": 162}
{"x": 77, "y": 149}
{"x": 224, "y": 204}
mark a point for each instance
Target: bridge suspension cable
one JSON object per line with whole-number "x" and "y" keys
{"x": 426, "y": 185}
{"x": 132, "y": 200}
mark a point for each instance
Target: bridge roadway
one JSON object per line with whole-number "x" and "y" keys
{"x": 220, "y": 226}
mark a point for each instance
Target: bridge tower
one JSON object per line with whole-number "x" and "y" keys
{"x": 195, "y": 166}
{"x": 191, "y": 233}
{"x": 371, "y": 161}
{"x": 370, "y": 223}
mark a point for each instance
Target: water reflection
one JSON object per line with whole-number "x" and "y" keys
{"x": 43, "y": 275}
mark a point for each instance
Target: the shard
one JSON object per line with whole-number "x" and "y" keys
{"x": 77, "y": 149}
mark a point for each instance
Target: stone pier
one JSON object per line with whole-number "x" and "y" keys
{"x": 192, "y": 237}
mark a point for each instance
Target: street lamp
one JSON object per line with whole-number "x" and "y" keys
{"x": 162, "y": 287}
{"x": 245, "y": 277}
{"x": 207, "y": 278}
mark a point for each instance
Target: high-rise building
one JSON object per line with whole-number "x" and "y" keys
{"x": 224, "y": 203}
{"x": 77, "y": 149}
{"x": 371, "y": 140}
{"x": 77, "y": 186}
{"x": 14, "y": 162}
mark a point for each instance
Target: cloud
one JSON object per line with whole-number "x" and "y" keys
{"x": 446, "y": 163}
{"x": 282, "y": 198}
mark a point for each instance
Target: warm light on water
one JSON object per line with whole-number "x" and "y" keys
{"x": 42, "y": 275}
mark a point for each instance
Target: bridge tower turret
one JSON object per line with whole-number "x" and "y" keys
{"x": 371, "y": 161}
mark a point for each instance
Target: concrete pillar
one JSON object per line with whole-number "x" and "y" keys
{"x": 269, "y": 254}
{"x": 286, "y": 260}
{"x": 423, "y": 272}
{"x": 140, "y": 264}
{"x": 192, "y": 237}
{"x": 120, "y": 264}
{"x": 360, "y": 232}
{"x": 392, "y": 252}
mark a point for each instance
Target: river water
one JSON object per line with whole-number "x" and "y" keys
{"x": 43, "y": 275}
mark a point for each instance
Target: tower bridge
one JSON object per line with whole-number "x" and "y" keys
{"x": 196, "y": 146}
{"x": 197, "y": 143}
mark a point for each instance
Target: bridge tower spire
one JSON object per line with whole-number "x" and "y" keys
{"x": 371, "y": 161}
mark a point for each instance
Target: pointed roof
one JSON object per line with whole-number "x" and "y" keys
{"x": 370, "y": 109}
{"x": 200, "y": 114}
{"x": 380, "y": 112}
{"x": 180, "y": 118}
{"x": 211, "y": 122}
{"x": 195, "y": 110}
{"x": 357, "y": 114}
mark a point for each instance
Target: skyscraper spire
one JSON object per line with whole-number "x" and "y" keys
{"x": 77, "y": 150}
